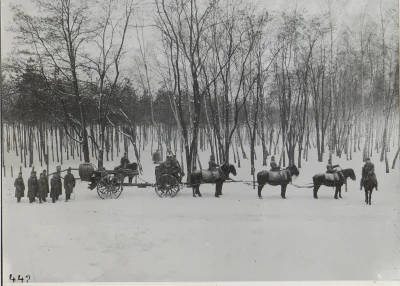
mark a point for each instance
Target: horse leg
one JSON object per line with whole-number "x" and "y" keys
{"x": 366, "y": 196}
{"x": 316, "y": 188}
{"x": 370, "y": 195}
{"x": 198, "y": 190}
{"x": 283, "y": 191}
{"x": 340, "y": 192}
{"x": 194, "y": 191}
{"x": 218, "y": 187}
{"x": 260, "y": 187}
{"x": 130, "y": 180}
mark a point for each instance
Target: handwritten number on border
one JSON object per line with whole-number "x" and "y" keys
{"x": 20, "y": 278}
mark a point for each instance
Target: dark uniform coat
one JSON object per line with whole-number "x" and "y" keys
{"x": 274, "y": 166}
{"x": 331, "y": 168}
{"x": 32, "y": 188}
{"x": 212, "y": 165}
{"x": 156, "y": 156}
{"x": 19, "y": 188}
{"x": 124, "y": 161}
{"x": 42, "y": 188}
{"x": 56, "y": 187}
{"x": 47, "y": 183}
{"x": 69, "y": 184}
{"x": 368, "y": 171}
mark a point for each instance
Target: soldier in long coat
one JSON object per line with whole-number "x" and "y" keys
{"x": 19, "y": 187}
{"x": 56, "y": 187}
{"x": 32, "y": 187}
{"x": 156, "y": 157}
{"x": 42, "y": 188}
{"x": 274, "y": 166}
{"x": 47, "y": 182}
{"x": 69, "y": 184}
{"x": 368, "y": 171}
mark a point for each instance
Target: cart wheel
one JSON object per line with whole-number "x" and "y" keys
{"x": 109, "y": 188}
{"x": 167, "y": 185}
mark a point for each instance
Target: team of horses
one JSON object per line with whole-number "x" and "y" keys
{"x": 280, "y": 178}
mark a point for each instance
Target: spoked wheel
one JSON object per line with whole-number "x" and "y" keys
{"x": 167, "y": 185}
{"x": 109, "y": 187}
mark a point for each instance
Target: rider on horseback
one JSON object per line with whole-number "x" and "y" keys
{"x": 211, "y": 164}
{"x": 368, "y": 172}
{"x": 330, "y": 169}
{"x": 274, "y": 165}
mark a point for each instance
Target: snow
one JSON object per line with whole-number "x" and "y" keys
{"x": 141, "y": 238}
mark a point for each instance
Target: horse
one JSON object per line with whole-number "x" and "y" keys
{"x": 130, "y": 166}
{"x": 276, "y": 178}
{"x": 332, "y": 180}
{"x": 369, "y": 186}
{"x": 218, "y": 177}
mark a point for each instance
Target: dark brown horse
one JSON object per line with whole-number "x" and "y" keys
{"x": 217, "y": 177}
{"x": 276, "y": 178}
{"x": 332, "y": 180}
{"x": 369, "y": 186}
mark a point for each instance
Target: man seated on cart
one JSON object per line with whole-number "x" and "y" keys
{"x": 102, "y": 173}
{"x": 172, "y": 163}
{"x": 177, "y": 168}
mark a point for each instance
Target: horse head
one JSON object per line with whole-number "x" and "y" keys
{"x": 227, "y": 169}
{"x": 349, "y": 173}
{"x": 293, "y": 170}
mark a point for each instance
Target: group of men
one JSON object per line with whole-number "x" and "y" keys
{"x": 39, "y": 188}
{"x": 172, "y": 162}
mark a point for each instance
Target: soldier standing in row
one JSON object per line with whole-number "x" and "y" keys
{"x": 368, "y": 171}
{"x": 56, "y": 187}
{"x": 19, "y": 187}
{"x": 42, "y": 188}
{"x": 211, "y": 164}
{"x": 274, "y": 165}
{"x": 32, "y": 187}
{"x": 69, "y": 184}
{"x": 47, "y": 182}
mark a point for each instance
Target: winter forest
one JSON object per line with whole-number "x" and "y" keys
{"x": 243, "y": 81}
{"x": 225, "y": 76}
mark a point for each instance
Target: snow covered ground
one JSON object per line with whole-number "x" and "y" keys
{"x": 141, "y": 237}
